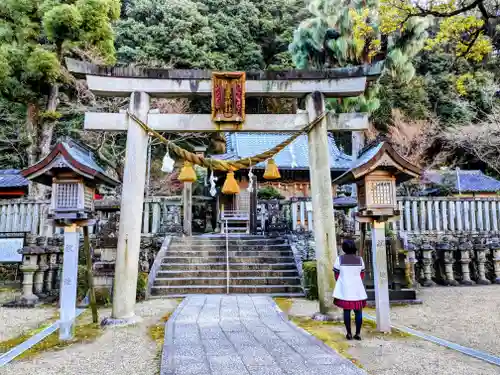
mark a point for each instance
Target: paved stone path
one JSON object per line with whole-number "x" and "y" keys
{"x": 243, "y": 335}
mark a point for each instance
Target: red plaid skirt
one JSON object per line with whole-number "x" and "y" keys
{"x": 349, "y": 305}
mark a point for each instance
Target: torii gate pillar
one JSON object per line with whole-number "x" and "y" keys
{"x": 132, "y": 201}
{"x": 322, "y": 206}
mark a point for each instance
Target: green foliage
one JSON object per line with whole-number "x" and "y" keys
{"x": 35, "y": 36}
{"x": 142, "y": 284}
{"x": 311, "y": 279}
{"x": 217, "y": 34}
{"x": 269, "y": 192}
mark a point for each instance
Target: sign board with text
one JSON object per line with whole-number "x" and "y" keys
{"x": 10, "y": 244}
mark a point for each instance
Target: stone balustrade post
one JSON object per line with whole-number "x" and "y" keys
{"x": 465, "y": 247}
{"x": 40, "y": 275}
{"x": 447, "y": 251}
{"x": 481, "y": 248}
{"x": 53, "y": 267}
{"x": 427, "y": 250}
{"x": 411, "y": 261}
{"x": 58, "y": 272}
{"x": 28, "y": 268}
{"x": 495, "y": 249}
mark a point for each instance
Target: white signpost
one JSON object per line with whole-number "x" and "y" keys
{"x": 68, "y": 282}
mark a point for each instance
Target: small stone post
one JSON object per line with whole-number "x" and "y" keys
{"x": 51, "y": 273}
{"x": 480, "y": 249}
{"x": 465, "y": 248}
{"x": 187, "y": 201}
{"x": 58, "y": 272}
{"x": 446, "y": 249}
{"x": 412, "y": 260}
{"x": 40, "y": 274}
{"x": 495, "y": 248}
{"x": 28, "y": 268}
{"x": 427, "y": 250}
{"x": 380, "y": 277}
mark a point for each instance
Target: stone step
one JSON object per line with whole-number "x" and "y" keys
{"x": 216, "y": 289}
{"x": 209, "y": 247}
{"x": 233, "y": 273}
{"x": 232, "y": 253}
{"x": 168, "y": 296}
{"x": 232, "y": 241}
{"x": 233, "y": 281}
{"x": 232, "y": 266}
{"x": 222, "y": 258}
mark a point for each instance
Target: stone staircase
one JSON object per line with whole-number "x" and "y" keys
{"x": 199, "y": 265}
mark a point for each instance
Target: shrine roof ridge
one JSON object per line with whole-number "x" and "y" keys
{"x": 82, "y": 68}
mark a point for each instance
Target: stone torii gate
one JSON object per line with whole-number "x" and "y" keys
{"x": 141, "y": 84}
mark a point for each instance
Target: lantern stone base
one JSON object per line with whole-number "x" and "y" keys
{"x": 112, "y": 322}
{"x": 331, "y": 317}
{"x": 24, "y": 302}
{"x": 402, "y": 296}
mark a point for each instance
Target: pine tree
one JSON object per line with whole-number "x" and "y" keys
{"x": 349, "y": 33}
{"x": 35, "y": 37}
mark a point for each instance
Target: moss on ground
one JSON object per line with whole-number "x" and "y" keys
{"x": 333, "y": 334}
{"x": 157, "y": 331}
{"x": 285, "y": 304}
{"x": 329, "y": 333}
{"x": 157, "y": 334}
{"x": 84, "y": 332}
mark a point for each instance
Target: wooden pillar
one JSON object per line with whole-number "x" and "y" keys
{"x": 253, "y": 207}
{"x": 322, "y": 202}
{"x": 187, "y": 201}
{"x": 380, "y": 278}
{"x": 132, "y": 201}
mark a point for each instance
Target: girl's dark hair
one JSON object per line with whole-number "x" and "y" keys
{"x": 349, "y": 247}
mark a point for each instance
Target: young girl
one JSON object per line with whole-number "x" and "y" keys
{"x": 349, "y": 293}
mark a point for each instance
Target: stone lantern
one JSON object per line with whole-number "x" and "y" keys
{"x": 376, "y": 173}
{"x": 74, "y": 173}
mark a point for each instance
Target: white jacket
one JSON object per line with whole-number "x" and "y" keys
{"x": 349, "y": 286}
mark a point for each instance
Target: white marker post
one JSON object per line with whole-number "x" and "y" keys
{"x": 68, "y": 282}
{"x": 381, "y": 281}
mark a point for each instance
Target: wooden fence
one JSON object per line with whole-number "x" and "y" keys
{"x": 24, "y": 215}
{"x": 442, "y": 215}
{"x": 419, "y": 215}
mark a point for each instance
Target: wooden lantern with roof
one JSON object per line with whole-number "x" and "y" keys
{"x": 74, "y": 173}
{"x": 376, "y": 173}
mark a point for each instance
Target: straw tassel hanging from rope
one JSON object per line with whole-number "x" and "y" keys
{"x": 272, "y": 172}
{"x": 230, "y": 185}
{"x": 187, "y": 173}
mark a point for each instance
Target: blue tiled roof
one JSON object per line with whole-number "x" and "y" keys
{"x": 473, "y": 181}
{"x": 242, "y": 145}
{"x": 83, "y": 156}
{"x": 12, "y": 178}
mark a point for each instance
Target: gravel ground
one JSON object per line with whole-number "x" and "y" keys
{"x": 454, "y": 314}
{"x": 468, "y": 316}
{"x": 123, "y": 351}
{"x": 14, "y": 322}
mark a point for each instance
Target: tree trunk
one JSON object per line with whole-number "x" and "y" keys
{"x": 47, "y": 131}
{"x": 44, "y": 132}
{"x": 31, "y": 132}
